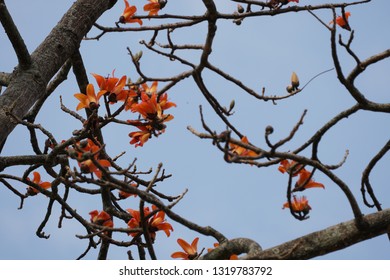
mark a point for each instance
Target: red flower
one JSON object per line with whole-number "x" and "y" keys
{"x": 290, "y": 167}
{"x": 241, "y": 151}
{"x": 190, "y": 251}
{"x": 37, "y": 180}
{"x": 155, "y": 223}
{"x": 128, "y": 14}
{"x": 151, "y": 108}
{"x": 101, "y": 218}
{"x": 158, "y": 222}
{"x": 343, "y": 23}
{"x": 154, "y": 6}
{"x": 112, "y": 86}
{"x": 135, "y": 221}
{"x": 139, "y": 138}
{"x": 84, "y": 152}
{"x": 305, "y": 183}
{"x": 299, "y": 205}
{"x": 89, "y": 100}
{"x": 88, "y": 166}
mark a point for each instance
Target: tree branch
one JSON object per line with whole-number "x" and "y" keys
{"x": 14, "y": 37}
{"x": 328, "y": 240}
{"x": 28, "y": 85}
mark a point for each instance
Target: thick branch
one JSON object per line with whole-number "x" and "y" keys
{"x": 329, "y": 240}
{"x": 27, "y": 86}
{"x": 28, "y": 160}
{"x": 235, "y": 246}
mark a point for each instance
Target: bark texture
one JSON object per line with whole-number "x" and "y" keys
{"x": 28, "y": 85}
{"x": 329, "y": 240}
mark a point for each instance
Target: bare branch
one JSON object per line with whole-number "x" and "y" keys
{"x": 14, "y": 36}
{"x": 366, "y": 177}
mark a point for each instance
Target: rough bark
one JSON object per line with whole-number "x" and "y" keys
{"x": 329, "y": 240}
{"x": 315, "y": 244}
{"x": 28, "y": 85}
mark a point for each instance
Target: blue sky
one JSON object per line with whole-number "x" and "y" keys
{"x": 238, "y": 200}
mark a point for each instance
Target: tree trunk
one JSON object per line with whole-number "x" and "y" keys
{"x": 28, "y": 85}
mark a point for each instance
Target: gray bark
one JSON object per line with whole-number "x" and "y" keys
{"x": 28, "y": 85}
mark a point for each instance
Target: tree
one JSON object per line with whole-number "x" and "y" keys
{"x": 132, "y": 206}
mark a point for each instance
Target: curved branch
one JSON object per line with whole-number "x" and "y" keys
{"x": 15, "y": 37}
{"x": 366, "y": 177}
{"x": 235, "y": 246}
{"x": 328, "y": 240}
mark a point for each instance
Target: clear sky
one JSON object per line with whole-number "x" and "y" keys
{"x": 237, "y": 200}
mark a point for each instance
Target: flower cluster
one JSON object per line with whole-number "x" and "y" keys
{"x": 305, "y": 180}
{"x": 154, "y": 222}
{"x": 151, "y": 109}
{"x": 141, "y": 99}
{"x": 129, "y": 13}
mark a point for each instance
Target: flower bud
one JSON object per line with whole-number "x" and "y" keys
{"x": 269, "y": 130}
{"x": 294, "y": 80}
{"x": 232, "y": 104}
{"x": 137, "y": 56}
{"x": 290, "y": 89}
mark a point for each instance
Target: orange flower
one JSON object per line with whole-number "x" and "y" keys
{"x": 128, "y": 14}
{"x": 135, "y": 221}
{"x": 154, "y": 6}
{"x": 155, "y": 223}
{"x": 130, "y": 97}
{"x": 343, "y": 23}
{"x": 164, "y": 103}
{"x": 112, "y": 86}
{"x": 37, "y": 180}
{"x": 151, "y": 106}
{"x": 89, "y": 100}
{"x": 190, "y": 251}
{"x": 87, "y": 166}
{"x": 102, "y": 218}
{"x": 149, "y": 90}
{"x": 241, "y": 151}
{"x": 299, "y": 205}
{"x": 83, "y": 153}
{"x": 139, "y": 138}
{"x": 305, "y": 183}
{"x": 290, "y": 167}
{"x": 158, "y": 222}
